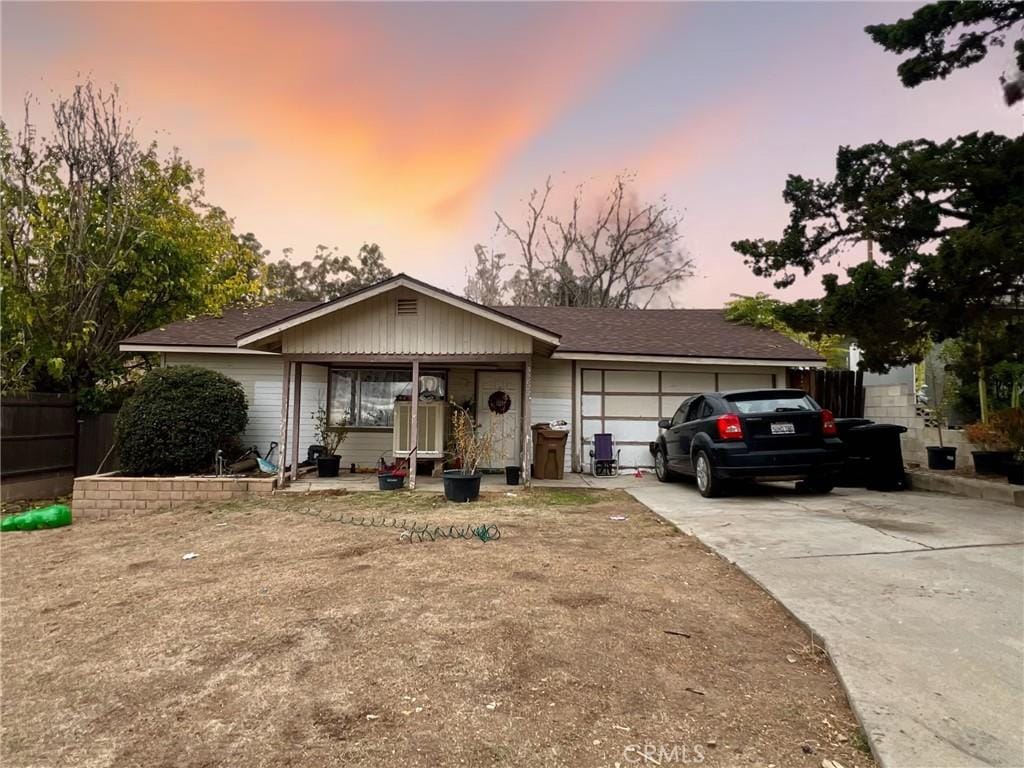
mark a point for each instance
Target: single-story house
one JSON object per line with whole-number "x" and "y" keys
{"x": 598, "y": 369}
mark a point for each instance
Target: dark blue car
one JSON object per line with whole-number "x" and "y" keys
{"x": 758, "y": 434}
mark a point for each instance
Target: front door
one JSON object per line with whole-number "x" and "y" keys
{"x": 496, "y": 391}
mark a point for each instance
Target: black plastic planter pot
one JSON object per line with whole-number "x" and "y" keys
{"x": 990, "y": 462}
{"x": 511, "y": 475}
{"x": 461, "y": 488}
{"x": 390, "y": 482}
{"x": 1014, "y": 472}
{"x": 940, "y": 457}
{"x": 327, "y": 466}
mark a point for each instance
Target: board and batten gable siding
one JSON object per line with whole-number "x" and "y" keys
{"x": 375, "y": 327}
{"x": 551, "y": 396}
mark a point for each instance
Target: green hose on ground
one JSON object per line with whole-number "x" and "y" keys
{"x": 53, "y": 516}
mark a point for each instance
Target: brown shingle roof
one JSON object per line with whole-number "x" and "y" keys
{"x": 661, "y": 332}
{"x": 219, "y": 331}
{"x": 653, "y": 332}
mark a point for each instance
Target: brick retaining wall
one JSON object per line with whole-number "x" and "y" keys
{"x": 103, "y": 495}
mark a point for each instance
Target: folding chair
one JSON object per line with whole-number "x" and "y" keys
{"x": 604, "y": 456}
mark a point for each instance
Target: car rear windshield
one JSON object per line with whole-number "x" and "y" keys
{"x": 766, "y": 404}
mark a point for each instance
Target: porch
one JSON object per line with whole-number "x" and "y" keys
{"x": 373, "y": 397}
{"x": 490, "y": 482}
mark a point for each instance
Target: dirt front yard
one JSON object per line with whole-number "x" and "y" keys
{"x": 574, "y": 639}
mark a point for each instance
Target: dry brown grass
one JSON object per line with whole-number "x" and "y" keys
{"x": 294, "y": 641}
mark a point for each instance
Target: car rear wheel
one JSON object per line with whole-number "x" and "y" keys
{"x": 816, "y": 486}
{"x": 661, "y": 470}
{"x": 708, "y": 485}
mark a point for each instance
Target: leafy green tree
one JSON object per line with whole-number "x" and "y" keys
{"x": 326, "y": 276}
{"x": 949, "y": 220}
{"x": 762, "y": 311}
{"x": 102, "y": 238}
{"x": 951, "y": 35}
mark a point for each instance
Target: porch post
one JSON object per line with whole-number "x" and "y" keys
{"x": 414, "y": 423}
{"x": 527, "y": 457}
{"x": 286, "y": 377}
{"x": 296, "y": 421}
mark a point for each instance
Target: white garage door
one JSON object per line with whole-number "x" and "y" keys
{"x": 628, "y": 404}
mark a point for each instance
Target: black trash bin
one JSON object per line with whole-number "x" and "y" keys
{"x": 879, "y": 449}
{"x": 854, "y": 472}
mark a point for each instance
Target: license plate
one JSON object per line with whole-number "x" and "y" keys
{"x": 782, "y": 428}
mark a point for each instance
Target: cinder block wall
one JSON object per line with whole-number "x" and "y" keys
{"x": 895, "y": 404}
{"x": 100, "y": 496}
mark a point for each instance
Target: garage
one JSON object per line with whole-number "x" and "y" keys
{"x": 628, "y": 402}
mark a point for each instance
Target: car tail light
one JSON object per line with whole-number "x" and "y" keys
{"x": 828, "y": 424}
{"x": 729, "y": 427}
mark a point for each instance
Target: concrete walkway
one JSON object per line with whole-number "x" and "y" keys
{"x": 919, "y": 598}
{"x": 490, "y": 482}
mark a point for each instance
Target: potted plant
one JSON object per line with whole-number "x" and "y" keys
{"x": 941, "y": 456}
{"x": 1012, "y": 422}
{"x": 330, "y": 437}
{"x": 470, "y": 446}
{"x": 391, "y": 477}
{"x": 994, "y": 444}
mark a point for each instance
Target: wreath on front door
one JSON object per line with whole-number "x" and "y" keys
{"x": 499, "y": 402}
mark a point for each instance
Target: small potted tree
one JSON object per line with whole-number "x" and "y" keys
{"x": 470, "y": 446}
{"x": 941, "y": 456}
{"x": 330, "y": 437}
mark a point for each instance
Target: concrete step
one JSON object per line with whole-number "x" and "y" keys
{"x": 958, "y": 485}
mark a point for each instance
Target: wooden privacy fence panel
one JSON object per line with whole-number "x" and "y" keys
{"x": 842, "y": 392}
{"x": 95, "y": 441}
{"x": 38, "y": 435}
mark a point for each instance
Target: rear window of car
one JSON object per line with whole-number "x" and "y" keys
{"x": 764, "y": 404}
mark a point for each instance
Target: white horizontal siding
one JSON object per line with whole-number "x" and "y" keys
{"x": 551, "y": 396}
{"x": 260, "y": 378}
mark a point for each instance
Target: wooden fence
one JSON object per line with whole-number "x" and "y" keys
{"x": 96, "y": 452}
{"x": 44, "y": 445}
{"x": 842, "y": 392}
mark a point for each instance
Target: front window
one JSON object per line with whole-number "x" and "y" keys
{"x": 366, "y": 397}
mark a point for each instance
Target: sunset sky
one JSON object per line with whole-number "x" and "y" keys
{"x": 410, "y": 124}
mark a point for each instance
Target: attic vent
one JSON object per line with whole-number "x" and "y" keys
{"x": 406, "y": 306}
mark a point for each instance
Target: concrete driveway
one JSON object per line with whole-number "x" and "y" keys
{"x": 919, "y": 598}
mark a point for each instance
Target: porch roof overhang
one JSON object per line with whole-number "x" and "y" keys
{"x": 192, "y": 349}
{"x": 403, "y": 359}
{"x": 264, "y": 335}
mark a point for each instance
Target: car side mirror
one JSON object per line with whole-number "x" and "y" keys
{"x": 664, "y": 423}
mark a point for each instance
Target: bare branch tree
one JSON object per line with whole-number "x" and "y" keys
{"x": 484, "y": 285}
{"x": 624, "y": 255}
{"x": 528, "y": 237}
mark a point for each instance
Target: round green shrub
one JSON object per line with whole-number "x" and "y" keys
{"x": 177, "y": 420}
